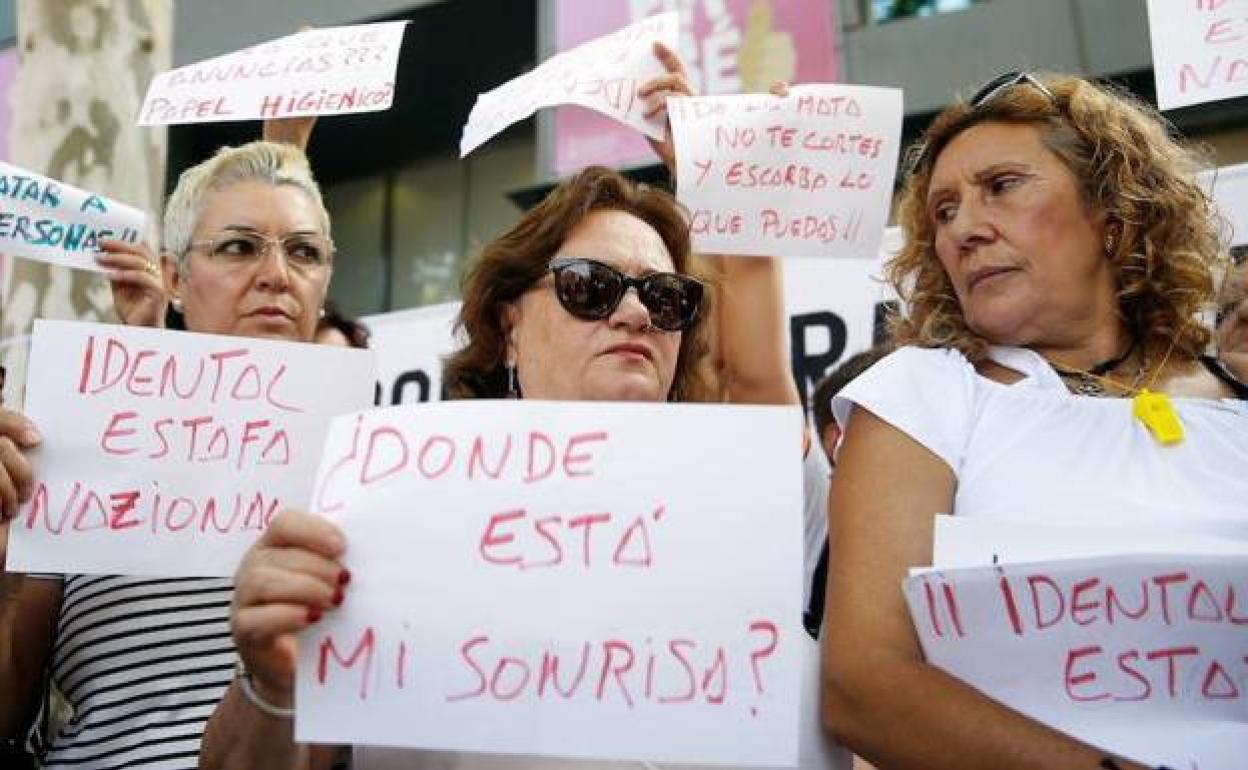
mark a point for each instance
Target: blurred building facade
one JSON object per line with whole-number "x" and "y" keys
{"x": 407, "y": 211}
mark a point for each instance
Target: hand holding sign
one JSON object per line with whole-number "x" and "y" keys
{"x": 449, "y": 638}
{"x": 656, "y": 92}
{"x": 137, "y": 280}
{"x": 168, "y": 453}
{"x": 17, "y": 434}
{"x": 603, "y": 75}
{"x": 287, "y": 580}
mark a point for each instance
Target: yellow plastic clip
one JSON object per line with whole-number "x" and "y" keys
{"x": 1158, "y": 415}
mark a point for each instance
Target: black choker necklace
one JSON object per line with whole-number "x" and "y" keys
{"x": 1088, "y": 382}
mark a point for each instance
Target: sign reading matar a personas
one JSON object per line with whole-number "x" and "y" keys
{"x": 168, "y": 452}
{"x": 603, "y": 75}
{"x": 332, "y": 71}
{"x": 805, "y": 175}
{"x": 616, "y": 581}
{"x": 50, "y": 221}
{"x": 1200, "y": 50}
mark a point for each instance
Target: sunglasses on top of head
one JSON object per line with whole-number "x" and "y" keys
{"x": 591, "y": 291}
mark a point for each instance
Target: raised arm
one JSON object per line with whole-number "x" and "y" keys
{"x": 880, "y": 698}
{"x": 285, "y": 583}
{"x": 752, "y": 334}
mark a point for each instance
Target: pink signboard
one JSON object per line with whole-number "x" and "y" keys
{"x": 729, "y": 46}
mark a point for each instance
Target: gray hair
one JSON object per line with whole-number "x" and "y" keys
{"x": 272, "y": 162}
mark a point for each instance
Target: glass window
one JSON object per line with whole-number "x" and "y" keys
{"x": 887, "y": 10}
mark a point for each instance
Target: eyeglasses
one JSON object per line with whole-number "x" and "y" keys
{"x": 304, "y": 251}
{"x": 592, "y": 291}
{"x": 1005, "y": 81}
{"x": 985, "y": 95}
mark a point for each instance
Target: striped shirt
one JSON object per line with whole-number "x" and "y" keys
{"x": 144, "y": 663}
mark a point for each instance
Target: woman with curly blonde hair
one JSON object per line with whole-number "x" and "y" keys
{"x": 1058, "y": 254}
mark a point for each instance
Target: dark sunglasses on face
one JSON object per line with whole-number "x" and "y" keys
{"x": 591, "y": 291}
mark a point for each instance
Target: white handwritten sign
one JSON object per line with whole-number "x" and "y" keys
{"x": 603, "y": 75}
{"x": 410, "y": 346}
{"x": 1200, "y": 50}
{"x": 1139, "y": 655}
{"x": 595, "y": 580}
{"x": 333, "y": 71}
{"x": 807, "y": 175}
{"x": 50, "y": 221}
{"x": 166, "y": 452}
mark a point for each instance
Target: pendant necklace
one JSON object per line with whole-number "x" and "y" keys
{"x": 1154, "y": 410}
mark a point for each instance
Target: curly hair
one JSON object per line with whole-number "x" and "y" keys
{"x": 509, "y": 265}
{"x": 1129, "y": 166}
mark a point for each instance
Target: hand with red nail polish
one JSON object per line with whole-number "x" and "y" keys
{"x": 286, "y": 582}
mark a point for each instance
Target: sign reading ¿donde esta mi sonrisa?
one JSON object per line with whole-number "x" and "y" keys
{"x": 333, "y": 71}
{"x": 50, "y": 221}
{"x": 602, "y": 75}
{"x": 596, "y": 580}
{"x": 168, "y": 452}
{"x": 805, "y": 175}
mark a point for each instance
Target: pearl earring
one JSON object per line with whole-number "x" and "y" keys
{"x": 176, "y": 302}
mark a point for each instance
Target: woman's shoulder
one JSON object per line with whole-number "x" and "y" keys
{"x": 1237, "y": 363}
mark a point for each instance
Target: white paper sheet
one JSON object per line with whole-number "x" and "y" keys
{"x": 1199, "y": 50}
{"x": 167, "y": 452}
{"x": 332, "y": 71}
{"x": 1139, "y": 655}
{"x": 603, "y": 75}
{"x": 807, "y": 175}
{"x": 50, "y": 221}
{"x": 660, "y": 544}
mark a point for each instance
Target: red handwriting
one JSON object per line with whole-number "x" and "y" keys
{"x": 220, "y": 376}
{"x": 320, "y": 100}
{"x": 1038, "y": 602}
{"x": 82, "y": 508}
{"x": 513, "y": 538}
{"x": 1179, "y": 672}
{"x": 673, "y": 671}
{"x": 824, "y": 228}
{"x": 201, "y": 439}
{"x": 384, "y": 451}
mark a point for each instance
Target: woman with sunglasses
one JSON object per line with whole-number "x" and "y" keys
{"x": 144, "y": 661}
{"x": 593, "y": 295}
{"x": 1058, "y": 253}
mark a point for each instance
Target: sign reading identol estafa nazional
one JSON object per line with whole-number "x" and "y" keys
{"x": 168, "y": 452}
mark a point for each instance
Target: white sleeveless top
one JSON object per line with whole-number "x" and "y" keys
{"x": 1033, "y": 450}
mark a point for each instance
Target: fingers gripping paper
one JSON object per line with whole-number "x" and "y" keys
{"x": 596, "y": 580}
{"x": 332, "y": 71}
{"x": 806, "y": 175}
{"x": 50, "y": 221}
{"x": 603, "y": 75}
